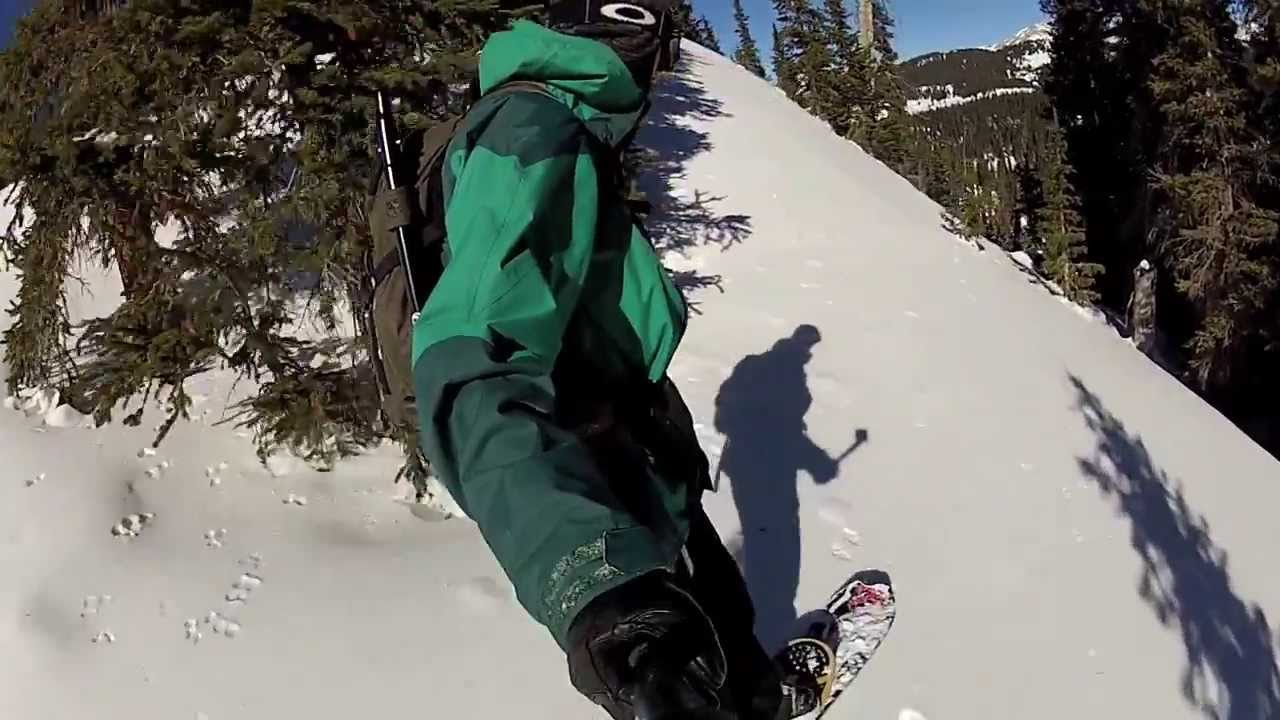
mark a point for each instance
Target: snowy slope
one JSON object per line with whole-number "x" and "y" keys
{"x": 1057, "y": 513}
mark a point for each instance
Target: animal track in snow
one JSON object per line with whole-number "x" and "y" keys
{"x": 192, "y": 628}
{"x": 292, "y": 499}
{"x": 215, "y": 469}
{"x": 131, "y": 525}
{"x": 240, "y": 590}
{"x": 222, "y": 624}
{"x": 92, "y": 604}
{"x": 838, "y": 551}
{"x": 852, "y": 537}
{"x": 214, "y": 474}
{"x": 90, "y": 608}
{"x": 157, "y": 470}
{"x": 36, "y": 479}
{"x": 214, "y": 538}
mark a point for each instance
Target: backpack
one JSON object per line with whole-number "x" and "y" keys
{"x": 384, "y": 305}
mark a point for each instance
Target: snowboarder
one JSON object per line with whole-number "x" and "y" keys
{"x": 1142, "y": 308}
{"x": 540, "y": 366}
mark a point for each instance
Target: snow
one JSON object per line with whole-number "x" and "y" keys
{"x": 1035, "y": 60}
{"x": 1039, "y": 32}
{"x": 929, "y": 104}
{"x": 1145, "y": 589}
{"x": 1029, "y": 65}
{"x": 98, "y": 137}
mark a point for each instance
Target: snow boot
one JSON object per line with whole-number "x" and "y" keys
{"x": 646, "y": 651}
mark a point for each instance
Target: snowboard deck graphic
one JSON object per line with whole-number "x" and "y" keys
{"x": 820, "y": 664}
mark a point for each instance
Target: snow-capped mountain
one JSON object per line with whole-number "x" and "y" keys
{"x": 948, "y": 79}
{"x": 1041, "y": 32}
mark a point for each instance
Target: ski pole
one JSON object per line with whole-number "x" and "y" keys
{"x": 859, "y": 437}
{"x": 387, "y": 139}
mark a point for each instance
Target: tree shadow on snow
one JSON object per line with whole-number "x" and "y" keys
{"x": 761, "y": 411}
{"x": 682, "y": 217}
{"x": 1231, "y": 669}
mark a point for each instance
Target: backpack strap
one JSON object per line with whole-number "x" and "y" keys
{"x": 422, "y": 204}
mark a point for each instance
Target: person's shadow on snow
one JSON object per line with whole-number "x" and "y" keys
{"x": 761, "y": 411}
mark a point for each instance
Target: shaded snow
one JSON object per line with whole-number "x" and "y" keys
{"x": 1057, "y": 513}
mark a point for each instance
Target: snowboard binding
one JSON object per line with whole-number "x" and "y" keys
{"x": 839, "y": 640}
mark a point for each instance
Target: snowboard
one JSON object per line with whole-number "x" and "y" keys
{"x": 837, "y": 641}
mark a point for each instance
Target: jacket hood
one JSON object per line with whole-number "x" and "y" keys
{"x": 586, "y": 75}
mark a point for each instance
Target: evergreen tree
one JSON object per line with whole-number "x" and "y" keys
{"x": 940, "y": 173}
{"x": 977, "y": 211}
{"x": 1060, "y": 228}
{"x": 1263, "y": 18}
{"x": 192, "y": 116}
{"x": 1101, "y": 54}
{"x": 839, "y": 35}
{"x": 704, "y": 34}
{"x": 871, "y": 85}
{"x": 748, "y": 54}
{"x": 847, "y": 76}
{"x": 783, "y": 76}
{"x": 1028, "y": 206}
{"x": 805, "y": 58}
{"x": 1223, "y": 247}
{"x": 888, "y": 130}
{"x": 884, "y": 23}
{"x": 698, "y": 29}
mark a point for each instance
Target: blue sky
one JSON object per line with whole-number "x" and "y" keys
{"x": 923, "y": 25}
{"x": 10, "y": 11}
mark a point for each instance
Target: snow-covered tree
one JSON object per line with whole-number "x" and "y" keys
{"x": 230, "y": 128}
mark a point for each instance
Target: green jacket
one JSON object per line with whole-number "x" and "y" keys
{"x": 552, "y": 301}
